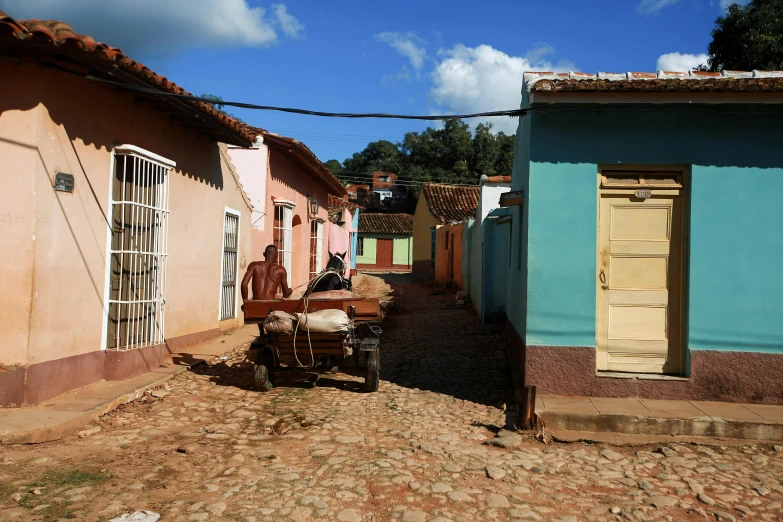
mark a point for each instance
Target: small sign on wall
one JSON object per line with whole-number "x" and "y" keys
{"x": 643, "y": 193}
{"x": 63, "y": 182}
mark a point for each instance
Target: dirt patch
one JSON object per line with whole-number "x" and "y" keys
{"x": 368, "y": 285}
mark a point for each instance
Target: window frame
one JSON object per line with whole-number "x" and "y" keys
{"x": 146, "y": 252}
{"x": 223, "y": 307}
{"x": 282, "y": 234}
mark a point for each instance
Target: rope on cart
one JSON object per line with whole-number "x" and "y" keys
{"x": 306, "y": 298}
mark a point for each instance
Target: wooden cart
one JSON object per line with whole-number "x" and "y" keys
{"x": 288, "y": 352}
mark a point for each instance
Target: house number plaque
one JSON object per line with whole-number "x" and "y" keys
{"x": 643, "y": 193}
{"x": 63, "y": 182}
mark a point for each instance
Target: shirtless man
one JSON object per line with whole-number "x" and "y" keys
{"x": 267, "y": 276}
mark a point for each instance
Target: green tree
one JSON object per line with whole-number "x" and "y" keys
{"x": 334, "y": 165}
{"x": 380, "y": 155}
{"x": 749, "y": 37}
{"x": 449, "y": 154}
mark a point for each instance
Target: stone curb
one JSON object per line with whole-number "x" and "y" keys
{"x": 636, "y": 425}
{"x": 60, "y": 430}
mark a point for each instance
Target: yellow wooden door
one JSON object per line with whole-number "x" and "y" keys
{"x": 640, "y": 278}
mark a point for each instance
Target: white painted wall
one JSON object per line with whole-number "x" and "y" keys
{"x": 252, "y": 166}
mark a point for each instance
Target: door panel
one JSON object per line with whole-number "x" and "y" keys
{"x": 639, "y": 282}
{"x": 384, "y": 256}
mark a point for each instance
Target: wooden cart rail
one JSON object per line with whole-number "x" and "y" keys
{"x": 367, "y": 309}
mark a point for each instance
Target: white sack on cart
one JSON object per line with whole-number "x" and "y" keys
{"x": 279, "y": 322}
{"x": 324, "y": 321}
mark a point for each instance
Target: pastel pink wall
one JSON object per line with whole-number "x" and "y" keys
{"x": 287, "y": 181}
{"x": 339, "y": 240}
{"x": 53, "y": 247}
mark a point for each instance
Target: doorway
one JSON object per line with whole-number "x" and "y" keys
{"x": 640, "y": 271}
{"x": 385, "y": 253}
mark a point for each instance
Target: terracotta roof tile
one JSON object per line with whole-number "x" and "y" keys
{"x": 40, "y": 34}
{"x": 451, "y": 203}
{"x": 385, "y": 224}
{"x": 304, "y": 157}
{"x": 662, "y": 81}
{"x": 336, "y": 205}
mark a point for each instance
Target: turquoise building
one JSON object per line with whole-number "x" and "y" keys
{"x": 646, "y": 259}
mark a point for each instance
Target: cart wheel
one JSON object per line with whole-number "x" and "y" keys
{"x": 264, "y": 371}
{"x": 372, "y": 371}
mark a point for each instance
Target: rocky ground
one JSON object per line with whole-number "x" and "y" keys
{"x": 427, "y": 446}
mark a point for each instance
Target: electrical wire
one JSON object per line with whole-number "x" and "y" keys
{"x": 292, "y": 110}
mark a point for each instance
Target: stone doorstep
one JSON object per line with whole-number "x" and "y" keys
{"x": 657, "y": 426}
{"x": 63, "y": 415}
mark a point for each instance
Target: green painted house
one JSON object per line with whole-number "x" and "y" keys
{"x": 385, "y": 242}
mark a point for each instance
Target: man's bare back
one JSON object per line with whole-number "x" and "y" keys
{"x": 267, "y": 277}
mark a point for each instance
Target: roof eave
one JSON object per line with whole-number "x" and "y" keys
{"x": 48, "y": 55}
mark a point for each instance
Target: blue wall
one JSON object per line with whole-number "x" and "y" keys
{"x": 736, "y": 260}
{"x": 354, "y": 238}
{"x": 735, "y": 274}
{"x": 496, "y": 263}
{"x": 561, "y": 255}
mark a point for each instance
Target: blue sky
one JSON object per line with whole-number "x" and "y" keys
{"x": 407, "y": 56}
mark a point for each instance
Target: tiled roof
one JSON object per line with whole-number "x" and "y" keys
{"x": 38, "y": 38}
{"x": 451, "y": 203}
{"x": 336, "y": 206}
{"x": 662, "y": 81}
{"x": 385, "y": 224}
{"x": 304, "y": 157}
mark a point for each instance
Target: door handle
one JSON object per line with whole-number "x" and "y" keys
{"x": 602, "y": 278}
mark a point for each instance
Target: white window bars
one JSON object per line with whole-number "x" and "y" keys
{"x": 316, "y": 246}
{"x": 139, "y": 248}
{"x": 283, "y": 236}
{"x": 228, "y": 289}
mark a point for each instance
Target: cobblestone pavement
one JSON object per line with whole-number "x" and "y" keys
{"x": 425, "y": 447}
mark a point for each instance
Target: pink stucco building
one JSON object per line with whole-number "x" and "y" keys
{"x": 123, "y": 224}
{"x": 289, "y": 188}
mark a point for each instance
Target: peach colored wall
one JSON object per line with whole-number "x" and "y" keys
{"x": 53, "y": 254}
{"x": 442, "y": 254}
{"x": 289, "y": 182}
{"x": 19, "y": 161}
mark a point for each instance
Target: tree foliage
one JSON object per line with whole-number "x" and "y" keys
{"x": 749, "y": 37}
{"x": 446, "y": 155}
{"x": 449, "y": 154}
{"x": 334, "y": 165}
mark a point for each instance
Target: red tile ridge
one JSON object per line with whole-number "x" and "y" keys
{"x": 59, "y": 34}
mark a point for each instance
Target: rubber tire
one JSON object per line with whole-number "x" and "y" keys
{"x": 264, "y": 372}
{"x": 372, "y": 371}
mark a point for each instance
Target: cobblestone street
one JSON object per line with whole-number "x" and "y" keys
{"x": 427, "y": 446}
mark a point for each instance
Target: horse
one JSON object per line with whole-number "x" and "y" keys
{"x": 331, "y": 278}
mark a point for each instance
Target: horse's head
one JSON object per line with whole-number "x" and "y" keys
{"x": 337, "y": 261}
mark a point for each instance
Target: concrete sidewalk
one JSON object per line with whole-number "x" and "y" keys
{"x": 651, "y": 417}
{"x": 68, "y": 412}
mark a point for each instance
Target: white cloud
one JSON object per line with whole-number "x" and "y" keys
{"x": 481, "y": 79}
{"x": 677, "y": 62}
{"x": 145, "y": 27}
{"x": 408, "y": 45}
{"x": 290, "y": 26}
{"x": 653, "y": 6}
